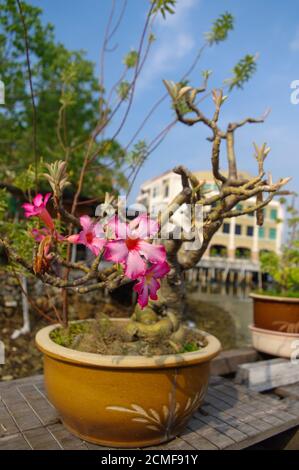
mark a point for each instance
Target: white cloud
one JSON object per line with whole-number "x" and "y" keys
{"x": 174, "y": 42}
{"x": 294, "y": 44}
{"x": 182, "y": 9}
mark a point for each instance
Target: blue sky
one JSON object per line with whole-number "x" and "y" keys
{"x": 267, "y": 27}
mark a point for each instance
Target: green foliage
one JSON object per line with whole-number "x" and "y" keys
{"x": 284, "y": 268}
{"x": 3, "y": 203}
{"x": 242, "y": 72}
{"x": 164, "y": 7}
{"x": 220, "y": 29}
{"x": 65, "y": 336}
{"x": 131, "y": 59}
{"x": 189, "y": 347}
{"x": 181, "y": 103}
{"x": 138, "y": 155}
{"x": 123, "y": 90}
{"x": 67, "y": 97}
{"x": 151, "y": 38}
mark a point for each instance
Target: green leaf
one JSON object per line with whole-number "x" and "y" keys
{"x": 131, "y": 59}
{"x": 242, "y": 72}
{"x": 163, "y": 7}
{"x": 220, "y": 29}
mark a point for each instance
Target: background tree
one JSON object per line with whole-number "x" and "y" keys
{"x": 62, "y": 112}
{"x": 284, "y": 267}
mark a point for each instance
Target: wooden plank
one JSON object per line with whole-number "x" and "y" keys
{"x": 272, "y": 431}
{"x": 178, "y": 444}
{"x": 267, "y": 415}
{"x": 7, "y": 424}
{"x": 213, "y": 435}
{"x": 232, "y": 421}
{"x": 274, "y": 406}
{"x": 33, "y": 379}
{"x": 221, "y": 426}
{"x": 231, "y": 417}
{"x": 65, "y": 439}
{"x": 240, "y": 392}
{"x": 196, "y": 441}
{"x": 237, "y": 411}
{"x": 41, "y": 439}
{"x": 175, "y": 444}
{"x": 38, "y": 402}
{"x": 266, "y": 375}
{"x": 23, "y": 416}
{"x": 250, "y": 400}
{"x": 291, "y": 391}
{"x": 227, "y": 362}
{"x": 14, "y": 442}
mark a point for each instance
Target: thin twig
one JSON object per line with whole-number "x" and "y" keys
{"x": 34, "y": 112}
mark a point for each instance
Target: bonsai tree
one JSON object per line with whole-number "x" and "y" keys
{"x": 284, "y": 267}
{"x": 157, "y": 269}
{"x": 154, "y": 254}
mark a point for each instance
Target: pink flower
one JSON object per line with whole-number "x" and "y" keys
{"x": 148, "y": 284}
{"x": 130, "y": 248}
{"x": 38, "y": 208}
{"x": 92, "y": 235}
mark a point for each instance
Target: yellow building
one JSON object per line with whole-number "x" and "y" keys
{"x": 238, "y": 238}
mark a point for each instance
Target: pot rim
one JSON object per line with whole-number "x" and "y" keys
{"x": 274, "y": 298}
{"x": 49, "y": 348}
{"x": 264, "y": 331}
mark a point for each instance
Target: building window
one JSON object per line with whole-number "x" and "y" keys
{"x": 272, "y": 233}
{"x": 238, "y": 229}
{"x": 155, "y": 191}
{"x": 273, "y": 214}
{"x": 166, "y": 190}
{"x": 239, "y": 207}
{"x": 249, "y": 231}
{"x": 251, "y": 214}
{"x": 261, "y": 232}
{"x": 226, "y": 228}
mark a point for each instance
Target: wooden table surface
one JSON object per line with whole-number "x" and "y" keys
{"x": 232, "y": 417}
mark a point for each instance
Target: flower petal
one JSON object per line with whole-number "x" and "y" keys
{"x": 138, "y": 287}
{"x": 153, "y": 285}
{"x": 73, "y": 238}
{"x": 117, "y": 227}
{"x": 46, "y": 198}
{"x": 135, "y": 266}
{"x": 160, "y": 269}
{"x": 30, "y": 210}
{"x": 99, "y": 243}
{"x": 143, "y": 227}
{"x": 94, "y": 248}
{"x": 154, "y": 253}
{"x": 86, "y": 222}
{"x": 38, "y": 200}
{"x": 116, "y": 250}
{"x": 142, "y": 290}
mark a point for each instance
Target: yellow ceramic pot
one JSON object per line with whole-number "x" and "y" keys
{"x": 125, "y": 401}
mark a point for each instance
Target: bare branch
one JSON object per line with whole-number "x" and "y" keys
{"x": 236, "y": 125}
